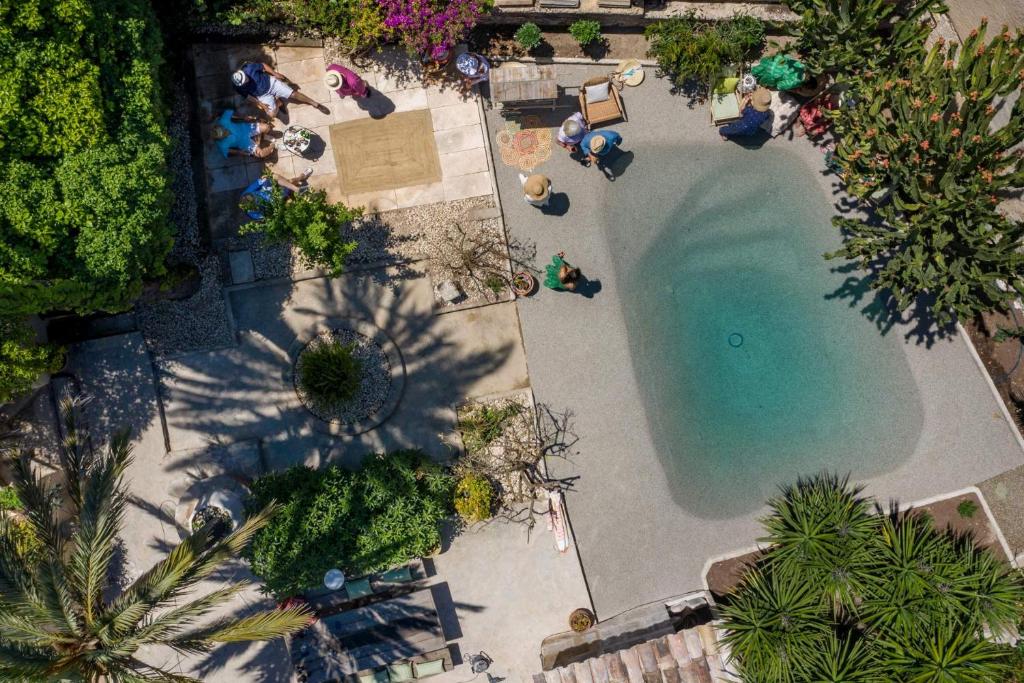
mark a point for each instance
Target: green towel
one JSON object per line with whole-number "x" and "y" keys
{"x": 552, "y": 281}
{"x": 781, "y": 72}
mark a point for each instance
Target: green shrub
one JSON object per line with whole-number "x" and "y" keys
{"x": 585, "y": 31}
{"x": 307, "y": 220}
{"x": 689, "y": 50}
{"x": 845, "y": 38}
{"x": 9, "y": 499}
{"x": 27, "y": 543}
{"x": 474, "y": 498}
{"x": 21, "y": 360}
{"x": 84, "y": 193}
{"x": 385, "y": 513}
{"x": 844, "y": 593}
{"x": 329, "y": 374}
{"x": 967, "y": 508}
{"x": 528, "y": 36}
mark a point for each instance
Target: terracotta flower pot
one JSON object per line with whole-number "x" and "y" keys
{"x": 581, "y": 619}
{"x": 523, "y": 283}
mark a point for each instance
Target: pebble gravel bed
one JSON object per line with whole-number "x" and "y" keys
{"x": 199, "y": 322}
{"x": 373, "y": 388}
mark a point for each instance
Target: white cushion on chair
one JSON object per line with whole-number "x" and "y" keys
{"x": 596, "y": 93}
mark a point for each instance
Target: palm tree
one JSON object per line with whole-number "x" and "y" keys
{"x": 58, "y": 620}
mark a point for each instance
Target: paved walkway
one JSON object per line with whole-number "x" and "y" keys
{"x": 457, "y": 130}
{"x": 637, "y": 544}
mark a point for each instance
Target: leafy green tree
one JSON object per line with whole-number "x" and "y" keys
{"x": 847, "y": 37}
{"x": 919, "y": 147}
{"x": 62, "y": 619}
{"x": 913, "y": 604}
{"x": 383, "y": 514}
{"x": 21, "y": 361}
{"x": 84, "y": 192}
{"x": 309, "y": 221}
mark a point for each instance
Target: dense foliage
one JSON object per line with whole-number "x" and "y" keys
{"x": 474, "y": 497}
{"x": 383, "y": 514}
{"x": 310, "y": 222}
{"x": 690, "y": 50}
{"x": 21, "y": 360}
{"x": 847, "y": 593}
{"x": 329, "y": 374}
{"x": 83, "y": 187}
{"x": 585, "y": 31}
{"x": 846, "y": 37}
{"x": 431, "y": 28}
{"x": 528, "y": 36}
{"x": 63, "y": 616}
{"x": 358, "y": 24}
{"x": 919, "y": 146}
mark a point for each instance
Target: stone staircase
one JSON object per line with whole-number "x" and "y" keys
{"x": 692, "y": 655}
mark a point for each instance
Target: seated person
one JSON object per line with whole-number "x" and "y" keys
{"x": 473, "y": 67}
{"x": 561, "y": 275}
{"x": 241, "y": 135}
{"x": 268, "y": 88}
{"x": 261, "y": 190}
{"x": 755, "y": 110}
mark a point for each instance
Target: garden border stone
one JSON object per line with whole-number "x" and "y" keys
{"x": 391, "y": 351}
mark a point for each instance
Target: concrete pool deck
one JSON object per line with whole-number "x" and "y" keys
{"x": 636, "y": 544}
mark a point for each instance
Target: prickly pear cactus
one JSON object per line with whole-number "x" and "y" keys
{"x": 920, "y": 145}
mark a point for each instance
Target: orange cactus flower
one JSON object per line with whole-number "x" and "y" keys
{"x": 925, "y": 144}
{"x": 948, "y": 64}
{"x": 974, "y": 94}
{"x": 916, "y": 104}
{"x": 975, "y": 139}
{"x": 934, "y": 118}
{"x": 955, "y": 132}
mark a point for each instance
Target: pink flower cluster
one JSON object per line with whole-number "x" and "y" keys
{"x": 431, "y": 28}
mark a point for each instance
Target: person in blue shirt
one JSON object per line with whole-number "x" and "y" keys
{"x": 598, "y": 144}
{"x": 268, "y": 89}
{"x": 237, "y": 135}
{"x": 261, "y": 191}
{"x": 756, "y": 109}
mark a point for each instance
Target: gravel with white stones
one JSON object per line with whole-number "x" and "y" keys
{"x": 373, "y": 388}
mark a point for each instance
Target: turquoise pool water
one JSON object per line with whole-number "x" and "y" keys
{"x": 752, "y": 370}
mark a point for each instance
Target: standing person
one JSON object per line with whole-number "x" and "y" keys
{"x": 536, "y": 189}
{"x": 755, "y": 109}
{"x": 237, "y": 135}
{"x": 345, "y": 82}
{"x": 572, "y": 131}
{"x": 561, "y": 275}
{"x": 268, "y": 88}
{"x": 598, "y": 144}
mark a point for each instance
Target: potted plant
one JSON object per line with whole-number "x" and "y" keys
{"x": 581, "y": 619}
{"x": 523, "y": 283}
{"x": 587, "y": 33}
{"x": 528, "y": 36}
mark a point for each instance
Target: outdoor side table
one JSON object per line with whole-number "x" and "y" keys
{"x": 524, "y": 86}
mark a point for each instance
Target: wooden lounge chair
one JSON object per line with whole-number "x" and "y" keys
{"x": 602, "y": 109}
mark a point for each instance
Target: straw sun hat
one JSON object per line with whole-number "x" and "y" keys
{"x": 332, "y": 79}
{"x": 761, "y": 99}
{"x": 597, "y": 143}
{"x": 537, "y": 187}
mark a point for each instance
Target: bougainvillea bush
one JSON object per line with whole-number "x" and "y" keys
{"x": 431, "y": 28}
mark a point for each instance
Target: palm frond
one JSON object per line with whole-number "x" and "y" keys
{"x": 266, "y": 625}
{"x": 24, "y": 664}
{"x": 15, "y": 574}
{"x": 39, "y": 509}
{"x": 75, "y": 452}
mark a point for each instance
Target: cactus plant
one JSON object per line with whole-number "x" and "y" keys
{"x": 919, "y": 144}
{"x": 843, "y": 37}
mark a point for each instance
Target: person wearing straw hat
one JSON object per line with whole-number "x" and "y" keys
{"x": 536, "y": 189}
{"x": 268, "y": 88}
{"x": 571, "y": 133}
{"x": 756, "y": 108}
{"x": 345, "y": 82}
{"x": 597, "y": 145}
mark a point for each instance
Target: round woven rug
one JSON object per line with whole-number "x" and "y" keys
{"x": 525, "y": 144}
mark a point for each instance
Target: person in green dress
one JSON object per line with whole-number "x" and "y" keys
{"x": 560, "y": 274}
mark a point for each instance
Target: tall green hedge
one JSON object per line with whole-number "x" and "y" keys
{"x": 383, "y": 514}
{"x": 84, "y": 195}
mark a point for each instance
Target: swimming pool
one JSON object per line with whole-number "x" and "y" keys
{"x": 751, "y": 370}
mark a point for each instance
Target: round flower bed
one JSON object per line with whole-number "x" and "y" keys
{"x": 361, "y": 381}
{"x": 217, "y": 518}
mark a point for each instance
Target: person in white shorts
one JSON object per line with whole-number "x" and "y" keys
{"x": 268, "y": 88}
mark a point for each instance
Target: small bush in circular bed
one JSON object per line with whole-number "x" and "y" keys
{"x": 329, "y": 374}
{"x": 216, "y": 518}
{"x": 474, "y": 498}
{"x": 528, "y": 36}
